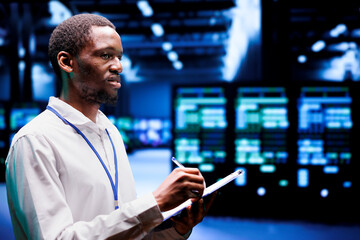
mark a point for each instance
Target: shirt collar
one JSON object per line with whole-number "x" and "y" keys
{"x": 76, "y": 117}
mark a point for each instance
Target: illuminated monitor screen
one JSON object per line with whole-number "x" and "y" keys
{"x": 152, "y": 132}
{"x": 124, "y": 123}
{"x": 261, "y": 124}
{"x": 140, "y": 133}
{"x": 199, "y": 126}
{"x": 2, "y": 119}
{"x": 21, "y": 116}
{"x": 324, "y": 130}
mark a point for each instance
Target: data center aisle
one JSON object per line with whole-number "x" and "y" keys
{"x": 152, "y": 166}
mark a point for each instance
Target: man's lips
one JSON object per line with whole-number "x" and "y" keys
{"x": 115, "y": 81}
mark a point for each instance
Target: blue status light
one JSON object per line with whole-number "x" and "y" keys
{"x": 206, "y": 167}
{"x": 283, "y": 183}
{"x": 347, "y": 184}
{"x": 331, "y": 169}
{"x": 303, "y": 177}
{"x": 261, "y": 191}
{"x": 241, "y": 180}
{"x": 267, "y": 168}
{"x": 324, "y": 193}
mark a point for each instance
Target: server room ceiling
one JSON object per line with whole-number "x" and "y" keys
{"x": 197, "y": 31}
{"x": 191, "y": 45}
{"x": 322, "y": 38}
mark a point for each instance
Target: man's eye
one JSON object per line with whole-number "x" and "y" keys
{"x": 105, "y": 56}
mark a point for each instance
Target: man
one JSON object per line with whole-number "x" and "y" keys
{"x": 67, "y": 172}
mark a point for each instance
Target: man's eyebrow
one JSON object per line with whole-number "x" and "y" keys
{"x": 110, "y": 49}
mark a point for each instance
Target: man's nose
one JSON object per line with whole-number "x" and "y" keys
{"x": 116, "y": 66}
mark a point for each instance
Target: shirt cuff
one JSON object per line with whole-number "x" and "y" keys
{"x": 153, "y": 215}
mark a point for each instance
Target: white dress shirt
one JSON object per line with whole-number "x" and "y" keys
{"x": 58, "y": 189}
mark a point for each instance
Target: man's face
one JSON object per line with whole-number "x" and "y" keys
{"x": 97, "y": 67}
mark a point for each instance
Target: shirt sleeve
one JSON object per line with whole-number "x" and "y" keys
{"x": 38, "y": 204}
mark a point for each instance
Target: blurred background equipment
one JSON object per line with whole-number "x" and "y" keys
{"x": 269, "y": 87}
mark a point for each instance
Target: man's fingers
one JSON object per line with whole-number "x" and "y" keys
{"x": 199, "y": 211}
{"x": 209, "y": 203}
{"x": 204, "y": 179}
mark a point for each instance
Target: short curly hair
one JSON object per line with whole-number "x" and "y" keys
{"x": 72, "y": 35}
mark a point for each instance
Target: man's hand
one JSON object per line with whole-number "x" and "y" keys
{"x": 194, "y": 214}
{"x": 178, "y": 187}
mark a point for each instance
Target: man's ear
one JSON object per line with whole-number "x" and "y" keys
{"x": 65, "y": 61}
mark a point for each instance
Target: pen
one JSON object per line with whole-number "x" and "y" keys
{"x": 182, "y": 166}
{"x": 177, "y": 162}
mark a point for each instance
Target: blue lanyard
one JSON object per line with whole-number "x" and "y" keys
{"x": 114, "y": 186}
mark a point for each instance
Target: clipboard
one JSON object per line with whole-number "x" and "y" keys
{"x": 212, "y": 188}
